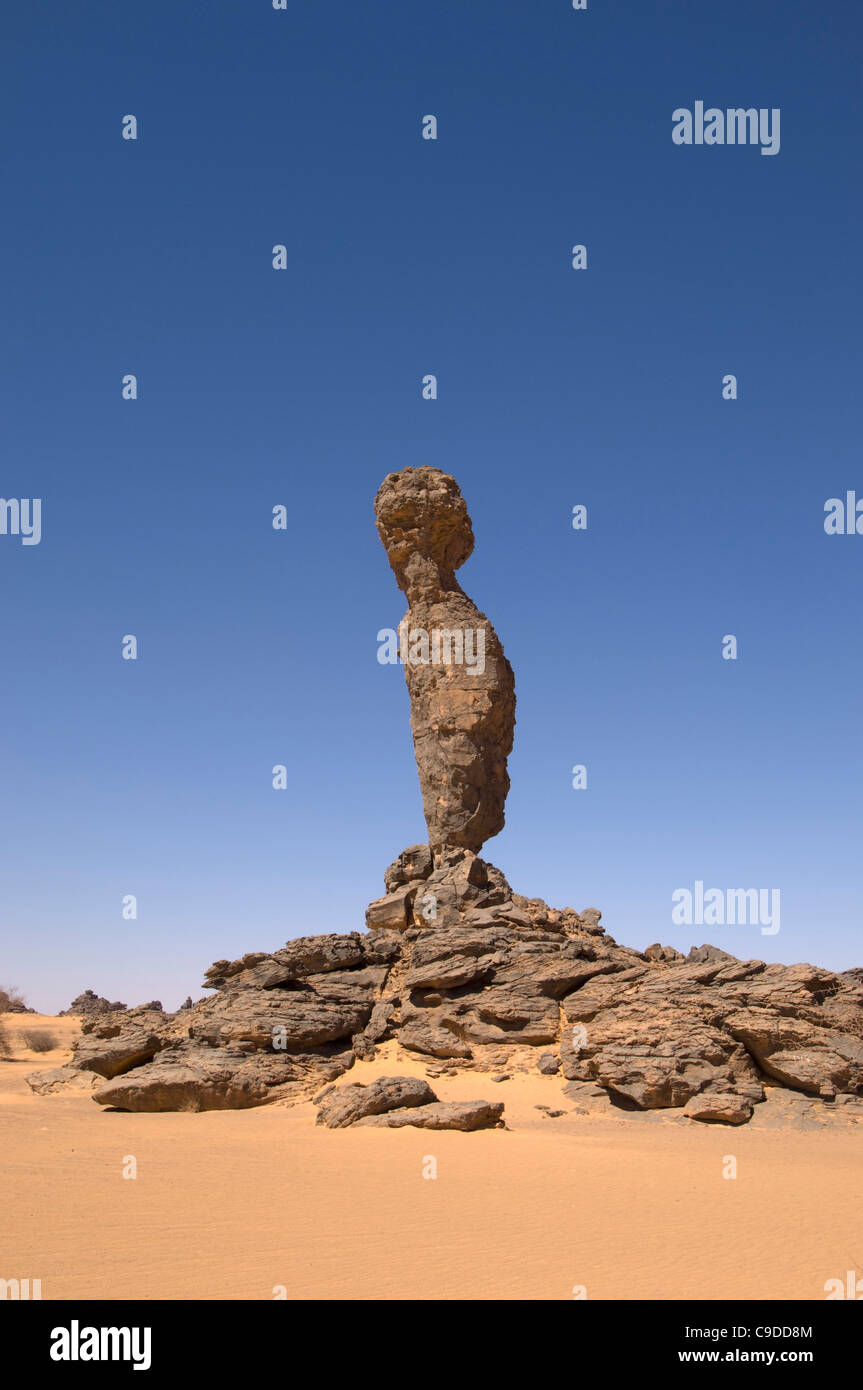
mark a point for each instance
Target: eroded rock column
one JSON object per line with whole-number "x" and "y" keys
{"x": 461, "y": 686}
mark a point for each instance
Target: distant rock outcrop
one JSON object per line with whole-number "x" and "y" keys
{"x": 91, "y": 1003}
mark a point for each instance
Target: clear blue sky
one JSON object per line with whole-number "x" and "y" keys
{"x": 302, "y": 387}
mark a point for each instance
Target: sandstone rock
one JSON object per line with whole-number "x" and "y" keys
{"x": 548, "y": 1064}
{"x": 110, "y": 1057}
{"x": 413, "y": 864}
{"x": 462, "y": 712}
{"x": 663, "y": 953}
{"x": 701, "y": 954}
{"x": 346, "y": 1105}
{"x": 489, "y": 991}
{"x": 114, "y": 1041}
{"x": 588, "y": 1097}
{"x": 493, "y": 982}
{"x": 465, "y": 1115}
{"x": 390, "y": 912}
{"x": 719, "y": 1107}
{"x": 643, "y": 1043}
{"x": 320, "y": 1010}
{"x": 306, "y": 955}
{"x": 54, "y": 1079}
{"x": 376, "y": 1029}
{"x": 203, "y": 1078}
{"x": 91, "y": 1003}
{"x": 799, "y": 1052}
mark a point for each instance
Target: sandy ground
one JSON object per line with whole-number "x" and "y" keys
{"x": 247, "y": 1204}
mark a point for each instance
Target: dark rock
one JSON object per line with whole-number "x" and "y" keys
{"x": 663, "y": 953}
{"x": 90, "y": 1003}
{"x": 346, "y": 1105}
{"x": 115, "y": 1041}
{"x": 465, "y": 1115}
{"x": 719, "y": 1108}
{"x": 203, "y": 1078}
{"x": 413, "y": 864}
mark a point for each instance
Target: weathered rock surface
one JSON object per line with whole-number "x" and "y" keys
{"x": 114, "y": 1042}
{"x": 465, "y": 1115}
{"x": 203, "y": 1078}
{"x": 340, "y": 1106}
{"x": 462, "y": 708}
{"x": 51, "y": 1080}
{"x": 721, "y": 1107}
{"x": 482, "y": 979}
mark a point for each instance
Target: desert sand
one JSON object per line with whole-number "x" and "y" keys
{"x": 259, "y": 1204}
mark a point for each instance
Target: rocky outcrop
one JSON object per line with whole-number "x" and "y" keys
{"x": 478, "y": 978}
{"x": 91, "y": 1003}
{"x": 462, "y": 691}
{"x": 659, "y": 1033}
{"x": 457, "y": 970}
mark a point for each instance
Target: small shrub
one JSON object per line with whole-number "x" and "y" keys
{"x": 11, "y": 1000}
{"x": 40, "y": 1041}
{"x": 5, "y": 1049}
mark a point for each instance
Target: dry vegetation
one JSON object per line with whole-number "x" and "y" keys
{"x": 11, "y": 999}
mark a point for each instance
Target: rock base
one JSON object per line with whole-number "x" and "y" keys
{"x": 468, "y": 975}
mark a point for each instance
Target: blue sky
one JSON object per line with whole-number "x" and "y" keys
{"x": 302, "y": 388}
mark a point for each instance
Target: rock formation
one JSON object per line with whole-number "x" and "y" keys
{"x": 91, "y": 1003}
{"x": 462, "y": 692}
{"x": 457, "y": 970}
{"x": 466, "y": 975}
{"x": 392, "y": 1102}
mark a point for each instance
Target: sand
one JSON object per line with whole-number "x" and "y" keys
{"x": 260, "y": 1204}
